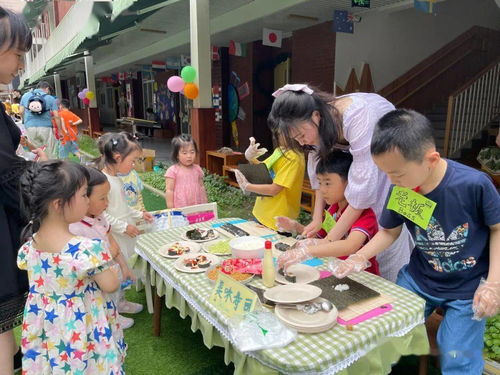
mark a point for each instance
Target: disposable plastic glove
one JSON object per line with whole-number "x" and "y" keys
{"x": 297, "y": 254}
{"x": 486, "y": 300}
{"x": 353, "y": 264}
{"x": 285, "y": 224}
{"x": 242, "y": 180}
{"x": 253, "y": 151}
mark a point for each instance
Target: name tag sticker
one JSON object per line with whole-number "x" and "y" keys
{"x": 413, "y": 206}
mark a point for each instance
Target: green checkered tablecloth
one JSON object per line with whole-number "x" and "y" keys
{"x": 371, "y": 347}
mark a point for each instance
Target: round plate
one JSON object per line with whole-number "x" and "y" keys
{"x": 193, "y": 248}
{"x": 304, "y": 274}
{"x": 246, "y": 281}
{"x": 307, "y": 323}
{"x": 179, "y": 263}
{"x": 206, "y": 247}
{"x": 292, "y": 293}
{"x": 215, "y": 235}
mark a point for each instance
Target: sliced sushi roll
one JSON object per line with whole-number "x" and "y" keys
{"x": 191, "y": 263}
{"x": 203, "y": 261}
{"x": 290, "y": 277}
{"x": 282, "y": 246}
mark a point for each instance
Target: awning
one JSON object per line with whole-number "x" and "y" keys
{"x": 32, "y": 11}
{"x": 119, "y": 6}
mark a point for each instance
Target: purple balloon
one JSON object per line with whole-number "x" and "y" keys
{"x": 85, "y": 91}
{"x": 81, "y": 95}
{"x": 175, "y": 83}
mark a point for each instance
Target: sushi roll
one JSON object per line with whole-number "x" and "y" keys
{"x": 191, "y": 263}
{"x": 282, "y": 246}
{"x": 203, "y": 261}
{"x": 290, "y": 277}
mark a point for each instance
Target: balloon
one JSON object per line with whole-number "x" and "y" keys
{"x": 90, "y": 95}
{"x": 191, "y": 91}
{"x": 188, "y": 74}
{"x": 85, "y": 91}
{"x": 175, "y": 84}
{"x": 81, "y": 95}
{"x": 86, "y": 101}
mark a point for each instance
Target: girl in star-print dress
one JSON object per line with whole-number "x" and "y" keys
{"x": 68, "y": 326}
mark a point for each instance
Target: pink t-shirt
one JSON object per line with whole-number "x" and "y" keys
{"x": 92, "y": 227}
{"x": 188, "y": 185}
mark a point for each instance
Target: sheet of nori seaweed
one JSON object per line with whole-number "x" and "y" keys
{"x": 357, "y": 292}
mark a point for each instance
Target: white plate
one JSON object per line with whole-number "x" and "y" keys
{"x": 207, "y": 245}
{"x": 179, "y": 263}
{"x": 292, "y": 293}
{"x": 193, "y": 248}
{"x": 246, "y": 281}
{"x": 215, "y": 235}
{"x": 304, "y": 274}
{"x": 307, "y": 323}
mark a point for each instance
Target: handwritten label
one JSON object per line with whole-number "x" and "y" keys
{"x": 415, "y": 207}
{"x": 329, "y": 222}
{"x": 231, "y": 297}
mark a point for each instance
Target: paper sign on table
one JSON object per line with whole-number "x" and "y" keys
{"x": 231, "y": 297}
{"x": 413, "y": 206}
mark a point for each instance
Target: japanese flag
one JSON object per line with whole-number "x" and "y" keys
{"x": 272, "y": 37}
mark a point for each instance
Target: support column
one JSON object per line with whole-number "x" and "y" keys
{"x": 200, "y": 50}
{"x": 92, "y": 111}
{"x": 57, "y": 85}
{"x": 202, "y": 115}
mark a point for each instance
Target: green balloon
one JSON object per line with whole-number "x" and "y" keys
{"x": 188, "y": 74}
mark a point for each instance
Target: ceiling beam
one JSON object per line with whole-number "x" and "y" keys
{"x": 245, "y": 14}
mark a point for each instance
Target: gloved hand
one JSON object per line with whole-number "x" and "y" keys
{"x": 253, "y": 151}
{"x": 242, "y": 180}
{"x": 293, "y": 256}
{"x": 285, "y": 224}
{"x": 354, "y": 263}
{"x": 486, "y": 300}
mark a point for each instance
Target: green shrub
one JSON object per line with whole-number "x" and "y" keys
{"x": 492, "y": 338}
{"x": 88, "y": 145}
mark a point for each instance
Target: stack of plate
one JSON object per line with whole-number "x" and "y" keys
{"x": 299, "y": 320}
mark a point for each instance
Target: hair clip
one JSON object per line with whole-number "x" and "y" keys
{"x": 295, "y": 87}
{"x": 30, "y": 222}
{"x": 115, "y": 142}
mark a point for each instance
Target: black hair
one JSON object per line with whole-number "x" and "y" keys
{"x": 122, "y": 143}
{"x": 44, "y": 182}
{"x": 291, "y": 107}
{"x": 14, "y": 32}
{"x": 96, "y": 177}
{"x": 44, "y": 85}
{"x": 64, "y": 103}
{"x": 16, "y": 100}
{"x": 405, "y": 130}
{"x": 179, "y": 142}
{"x": 337, "y": 162}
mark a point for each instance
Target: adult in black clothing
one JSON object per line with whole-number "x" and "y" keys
{"x": 15, "y": 40}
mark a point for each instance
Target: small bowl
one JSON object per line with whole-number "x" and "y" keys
{"x": 247, "y": 247}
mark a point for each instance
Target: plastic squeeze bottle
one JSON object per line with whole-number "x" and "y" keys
{"x": 268, "y": 272}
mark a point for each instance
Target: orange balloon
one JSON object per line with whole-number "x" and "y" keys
{"x": 191, "y": 91}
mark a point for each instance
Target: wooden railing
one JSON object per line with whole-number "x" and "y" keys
{"x": 471, "y": 108}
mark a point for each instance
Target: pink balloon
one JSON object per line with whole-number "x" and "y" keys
{"x": 175, "y": 83}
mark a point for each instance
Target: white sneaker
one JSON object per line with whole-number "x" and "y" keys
{"x": 125, "y": 322}
{"x": 127, "y": 307}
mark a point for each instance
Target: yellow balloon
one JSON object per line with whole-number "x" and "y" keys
{"x": 90, "y": 95}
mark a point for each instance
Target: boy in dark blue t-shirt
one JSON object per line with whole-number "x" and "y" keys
{"x": 456, "y": 245}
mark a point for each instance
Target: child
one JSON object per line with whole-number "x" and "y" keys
{"x": 458, "y": 247}
{"x": 118, "y": 154}
{"x": 332, "y": 175}
{"x": 67, "y": 324}
{"x": 184, "y": 180}
{"x": 282, "y": 197}
{"x": 94, "y": 225}
{"x": 69, "y": 136}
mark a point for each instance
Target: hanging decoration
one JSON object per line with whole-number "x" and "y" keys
{"x": 215, "y": 53}
{"x": 159, "y": 65}
{"x": 237, "y": 49}
{"x": 86, "y": 96}
{"x": 426, "y": 6}
{"x": 272, "y": 38}
{"x": 185, "y": 83}
{"x": 188, "y": 74}
{"x": 175, "y": 84}
{"x": 217, "y": 102}
{"x": 342, "y": 23}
